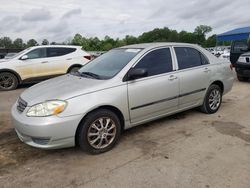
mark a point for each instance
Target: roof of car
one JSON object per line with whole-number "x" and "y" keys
{"x": 157, "y": 44}
{"x": 57, "y": 46}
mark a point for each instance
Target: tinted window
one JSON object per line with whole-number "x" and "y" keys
{"x": 37, "y": 53}
{"x": 189, "y": 57}
{"x": 53, "y": 52}
{"x": 157, "y": 62}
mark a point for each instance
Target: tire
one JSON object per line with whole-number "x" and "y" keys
{"x": 212, "y": 100}
{"x": 99, "y": 132}
{"x": 242, "y": 79}
{"x": 8, "y": 81}
{"x": 73, "y": 69}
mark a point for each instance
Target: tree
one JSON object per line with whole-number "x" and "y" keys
{"x": 45, "y": 42}
{"x": 6, "y": 42}
{"x": 156, "y": 35}
{"x": 107, "y": 46}
{"x": 211, "y": 41}
{"x": 18, "y": 43}
{"x": 200, "y": 32}
{"x": 130, "y": 40}
{"x": 77, "y": 40}
{"x": 32, "y": 42}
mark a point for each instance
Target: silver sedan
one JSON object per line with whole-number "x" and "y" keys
{"x": 123, "y": 88}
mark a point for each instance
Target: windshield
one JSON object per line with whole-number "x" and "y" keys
{"x": 18, "y": 54}
{"x": 109, "y": 64}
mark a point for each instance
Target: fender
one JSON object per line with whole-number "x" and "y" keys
{"x": 75, "y": 65}
{"x": 13, "y": 72}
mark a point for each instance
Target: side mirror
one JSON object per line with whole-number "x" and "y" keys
{"x": 136, "y": 73}
{"x": 237, "y": 49}
{"x": 24, "y": 57}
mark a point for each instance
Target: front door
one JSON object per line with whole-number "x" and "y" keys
{"x": 156, "y": 94}
{"x": 35, "y": 65}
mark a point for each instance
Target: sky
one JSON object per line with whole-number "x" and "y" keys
{"x": 60, "y": 20}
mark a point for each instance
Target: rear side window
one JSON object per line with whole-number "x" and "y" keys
{"x": 37, "y": 53}
{"x": 189, "y": 57}
{"x": 54, "y": 52}
{"x": 157, "y": 62}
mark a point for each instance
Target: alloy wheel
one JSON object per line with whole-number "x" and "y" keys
{"x": 6, "y": 81}
{"x": 101, "y": 133}
{"x": 214, "y": 99}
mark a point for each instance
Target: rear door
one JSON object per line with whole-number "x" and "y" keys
{"x": 156, "y": 94}
{"x": 194, "y": 74}
{"x": 60, "y": 59}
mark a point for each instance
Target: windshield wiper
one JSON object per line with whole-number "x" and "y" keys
{"x": 90, "y": 74}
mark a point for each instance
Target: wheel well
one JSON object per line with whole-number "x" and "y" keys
{"x": 220, "y": 84}
{"x": 108, "y": 107}
{"x": 75, "y": 65}
{"x": 12, "y": 72}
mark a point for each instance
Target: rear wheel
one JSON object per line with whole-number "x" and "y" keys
{"x": 212, "y": 100}
{"x": 74, "y": 69}
{"x": 8, "y": 81}
{"x": 99, "y": 132}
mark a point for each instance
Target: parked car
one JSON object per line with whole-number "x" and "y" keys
{"x": 9, "y": 55}
{"x": 239, "y": 57}
{"x": 39, "y": 63}
{"x": 122, "y": 88}
{"x": 225, "y": 55}
{"x": 242, "y": 67}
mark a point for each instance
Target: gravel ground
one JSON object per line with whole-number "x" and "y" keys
{"x": 189, "y": 149}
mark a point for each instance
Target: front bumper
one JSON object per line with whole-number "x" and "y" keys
{"x": 51, "y": 132}
{"x": 242, "y": 69}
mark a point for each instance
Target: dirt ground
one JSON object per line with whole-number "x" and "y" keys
{"x": 188, "y": 150}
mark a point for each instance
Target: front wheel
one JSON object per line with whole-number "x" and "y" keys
{"x": 8, "y": 81}
{"x": 99, "y": 131}
{"x": 212, "y": 100}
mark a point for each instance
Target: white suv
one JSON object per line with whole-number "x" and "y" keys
{"x": 39, "y": 63}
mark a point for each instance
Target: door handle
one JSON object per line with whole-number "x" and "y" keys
{"x": 44, "y": 62}
{"x": 172, "y": 77}
{"x": 69, "y": 59}
{"x": 207, "y": 70}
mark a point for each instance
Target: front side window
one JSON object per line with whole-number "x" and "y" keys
{"x": 157, "y": 62}
{"x": 109, "y": 64}
{"x": 54, "y": 52}
{"x": 189, "y": 57}
{"x": 37, "y": 53}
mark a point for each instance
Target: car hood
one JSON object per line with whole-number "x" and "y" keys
{"x": 61, "y": 88}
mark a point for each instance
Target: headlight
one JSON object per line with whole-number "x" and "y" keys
{"x": 47, "y": 108}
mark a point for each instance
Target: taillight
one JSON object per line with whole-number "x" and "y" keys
{"x": 87, "y": 57}
{"x": 231, "y": 66}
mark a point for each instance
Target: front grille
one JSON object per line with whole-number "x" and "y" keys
{"x": 21, "y": 105}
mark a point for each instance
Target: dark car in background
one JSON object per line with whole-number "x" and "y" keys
{"x": 240, "y": 59}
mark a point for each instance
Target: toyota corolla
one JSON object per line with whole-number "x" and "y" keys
{"x": 123, "y": 88}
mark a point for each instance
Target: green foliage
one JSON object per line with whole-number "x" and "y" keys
{"x": 211, "y": 41}
{"x": 45, "y": 42}
{"x": 156, "y": 35}
{"x": 32, "y": 42}
{"x": 18, "y": 43}
{"x": 5, "y": 42}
